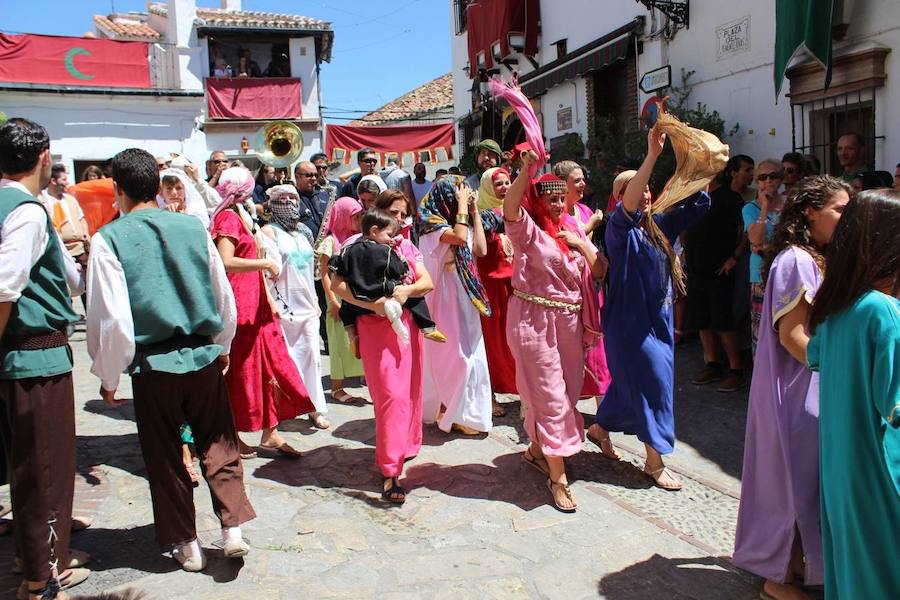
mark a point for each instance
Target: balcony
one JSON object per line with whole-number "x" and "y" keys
{"x": 253, "y": 98}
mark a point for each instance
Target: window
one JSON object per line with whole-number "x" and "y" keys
{"x": 562, "y": 47}
{"x": 459, "y": 13}
{"x": 818, "y": 124}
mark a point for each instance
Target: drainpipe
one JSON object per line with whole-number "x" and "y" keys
{"x": 321, "y": 118}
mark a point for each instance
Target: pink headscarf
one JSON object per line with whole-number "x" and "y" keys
{"x": 235, "y": 185}
{"x": 340, "y": 223}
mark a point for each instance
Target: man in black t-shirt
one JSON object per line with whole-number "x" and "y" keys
{"x": 713, "y": 247}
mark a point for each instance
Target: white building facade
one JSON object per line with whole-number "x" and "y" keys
{"x": 88, "y": 125}
{"x": 591, "y": 55}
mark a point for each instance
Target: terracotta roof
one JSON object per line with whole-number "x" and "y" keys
{"x": 115, "y": 27}
{"x": 434, "y": 96}
{"x": 218, "y": 17}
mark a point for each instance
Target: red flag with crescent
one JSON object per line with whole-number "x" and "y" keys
{"x": 73, "y": 61}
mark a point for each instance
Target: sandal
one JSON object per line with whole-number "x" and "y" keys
{"x": 246, "y": 452}
{"x": 497, "y": 410}
{"x": 538, "y": 463}
{"x": 283, "y": 450}
{"x": 344, "y": 398}
{"x": 611, "y": 454}
{"x": 319, "y": 420}
{"x": 393, "y": 494}
{"x": 567, "y": 491}
{"x": 657, "y": 474}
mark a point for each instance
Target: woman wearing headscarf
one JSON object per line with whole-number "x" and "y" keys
{"x": 343, "y": 222}
{"x": 177, "y": 193}
{"x": 495, "y": 270}
{"x": 295, "y": 293}
{"x": 552, "y": 320}
{"x": 368, "y": 189}
{"x": 259, "y": 355}
{"x": 456, "y": 373}
{"x": 643, "y": 275}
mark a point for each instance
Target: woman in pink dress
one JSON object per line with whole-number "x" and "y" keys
{"x": 260, "y": 364}
{"x": 552, "y": 320}
{"x": 393, "y": 370}
{"x": 596, "y": 373}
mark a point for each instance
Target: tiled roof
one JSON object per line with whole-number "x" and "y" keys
{"x": 119, "y": 28}
{"x": 217, "y": 17}
{"x": 434, "y": 96}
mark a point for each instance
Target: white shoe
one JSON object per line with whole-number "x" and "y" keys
{"x": 191, "y": 559}
{"x": 233, "y": 544}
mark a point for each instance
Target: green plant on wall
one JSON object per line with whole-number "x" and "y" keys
{"x": 3, "y": 117}
{"x": 608, "y": 146}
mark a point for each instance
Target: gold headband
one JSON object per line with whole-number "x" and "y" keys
{"x": 552, "y": 187}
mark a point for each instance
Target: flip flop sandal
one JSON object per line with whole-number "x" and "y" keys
{"x": 395, "y": 490}
{"x": 344, "y": 398}
{"x": 535, "y": 462}
{"x": 284, "y": 450}
{"x": 550, "y": 484}
{"x": 657, "y": 475}
{"x": 599, "y": 443}
{"x": 320, "y": 422}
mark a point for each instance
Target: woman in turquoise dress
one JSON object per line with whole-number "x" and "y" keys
{"x": 855, "y": 322}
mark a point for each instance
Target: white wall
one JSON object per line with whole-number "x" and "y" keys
{"x": 739, "y": 86}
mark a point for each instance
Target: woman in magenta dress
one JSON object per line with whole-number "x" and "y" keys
{"x": 264, "y": 385}
{"x": 495, "y": 270}
{"x": 596, "y": 373}
{"x": 393, "y": 370}
{"x": 552, "y": 320}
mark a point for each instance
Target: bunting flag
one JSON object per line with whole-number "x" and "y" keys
{"x": 73, "y": 61}
{"x": 802, "y": 26}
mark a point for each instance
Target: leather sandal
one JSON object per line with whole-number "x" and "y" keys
{"x": 538, "y": 463}
{"x": 657, "y": 474}
{"x": 568, "y": 492}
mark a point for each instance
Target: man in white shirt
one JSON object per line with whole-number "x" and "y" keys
{"x": 420, "y": 185}
{"x": 171, "y": 330}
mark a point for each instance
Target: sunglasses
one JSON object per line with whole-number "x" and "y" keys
{"x": 790, "y": 170}
{"x": 307, "y": 175}
{"x": 768, "y": 176}
{"x": 370, "y": 161}
{"x": 322, "y": 168}
{"x": 220, "y": 161}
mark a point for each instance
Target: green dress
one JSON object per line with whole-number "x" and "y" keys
{"x": 857, "y": 353}
{"x": 343, "y": 363}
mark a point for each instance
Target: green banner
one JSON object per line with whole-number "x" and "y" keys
{"x": 802, "y": 25}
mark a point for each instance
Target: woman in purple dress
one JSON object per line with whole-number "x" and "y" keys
{"x": 778, "y": 534}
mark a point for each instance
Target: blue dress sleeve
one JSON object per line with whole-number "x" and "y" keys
{"x": 684, "y": 215}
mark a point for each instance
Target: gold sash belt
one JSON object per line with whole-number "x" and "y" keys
{"x": 572, "y": 308}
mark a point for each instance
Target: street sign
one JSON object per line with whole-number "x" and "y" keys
{"x": 656, "y": 79}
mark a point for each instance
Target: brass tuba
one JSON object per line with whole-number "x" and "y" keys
{"x": 278, "y": 144}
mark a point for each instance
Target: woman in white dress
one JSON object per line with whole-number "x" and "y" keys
{"x": 456, "y": 383}
{"x": 294, "y": 292}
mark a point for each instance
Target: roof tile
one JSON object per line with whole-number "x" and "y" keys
{"x": 431, "y": 97}
{"x": 218, "y": 17}
{"x": 123, "y": 28}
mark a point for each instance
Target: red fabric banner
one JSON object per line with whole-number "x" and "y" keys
{"x": 73, "y": 61}
{"x": 490, "y": 22}
{"x": 254, "y": 98}
{"x": 341, "y": 141}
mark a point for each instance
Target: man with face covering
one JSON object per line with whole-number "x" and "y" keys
{"x": 487, "y": 156}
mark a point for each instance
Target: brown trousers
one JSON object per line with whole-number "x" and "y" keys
{"x": 37, "y": 421}
{"x": 162, "y": 403}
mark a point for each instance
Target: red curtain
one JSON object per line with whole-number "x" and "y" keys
{"x": 490, "y": 22}
{"x": 254, "y": 98}
{"x": 389, "y": 138}
{"x": 73, "y": 61}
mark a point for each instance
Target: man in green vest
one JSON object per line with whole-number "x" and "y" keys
{"x": 161, "y": 308}
{"x": 37, "y": 401}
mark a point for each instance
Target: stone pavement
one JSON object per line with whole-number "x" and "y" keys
{"x": 476, "y": 524}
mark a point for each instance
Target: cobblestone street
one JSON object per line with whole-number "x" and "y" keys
{"x": 477, "y": 523}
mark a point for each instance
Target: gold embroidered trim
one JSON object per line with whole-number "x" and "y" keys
{"x": 573, "y": 308}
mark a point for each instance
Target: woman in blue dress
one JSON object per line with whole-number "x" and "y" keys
{"x": 643, "y": 274}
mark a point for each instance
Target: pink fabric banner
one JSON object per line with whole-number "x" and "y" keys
{"x": 254, "y": 98}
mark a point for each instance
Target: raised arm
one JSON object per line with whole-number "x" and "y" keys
{"x": 513, "y": 201}
{"x": 631, "y": 200}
